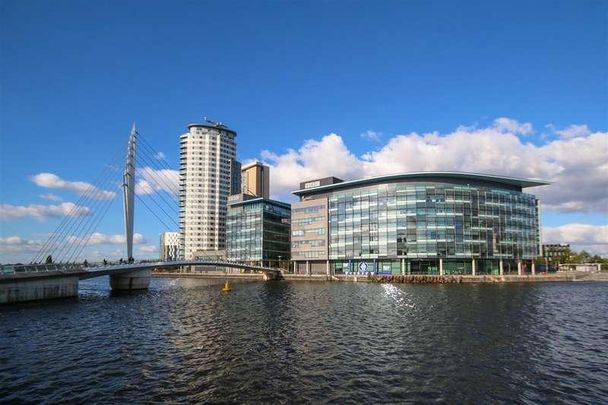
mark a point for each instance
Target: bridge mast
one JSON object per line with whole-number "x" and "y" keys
{"x": 129, "y": 191}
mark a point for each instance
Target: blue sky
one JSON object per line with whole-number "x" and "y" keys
{"x": 76, "y": 74}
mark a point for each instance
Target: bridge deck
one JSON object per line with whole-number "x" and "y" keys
{"x": 28, "y": 272}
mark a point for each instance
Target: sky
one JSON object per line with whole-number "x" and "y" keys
{"x": 313, "y": 88}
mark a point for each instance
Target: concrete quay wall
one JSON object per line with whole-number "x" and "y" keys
{"x": 432, "y": 279}
{"x": 424, "y": 279}
{"x": 411, "y": 279}
{"x": 41, "y": 289}
{"x": 210, "y": 275}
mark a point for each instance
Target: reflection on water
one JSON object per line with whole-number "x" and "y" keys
{"x": 185, "y": 341}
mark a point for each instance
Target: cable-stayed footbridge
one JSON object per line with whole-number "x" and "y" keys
{"x": 58, "y": 264}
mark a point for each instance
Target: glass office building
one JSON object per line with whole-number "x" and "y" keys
{"x": 416, "y": 223}
{"x": 257, "y": 231}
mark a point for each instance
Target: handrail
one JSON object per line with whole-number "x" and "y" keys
{"x": 8, "y": 269}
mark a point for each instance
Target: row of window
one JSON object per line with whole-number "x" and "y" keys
{"x": 302, "y": 232}
{"x": 307, "y": 221}
{"x": 298, "y": 244}
{"x": 308, "y": 210}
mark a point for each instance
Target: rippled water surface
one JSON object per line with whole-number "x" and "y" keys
{"x": 185, "y": 341}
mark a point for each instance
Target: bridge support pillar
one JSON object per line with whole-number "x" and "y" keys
{"x": 37, "y": 287}
{"x": 135, "y": 280}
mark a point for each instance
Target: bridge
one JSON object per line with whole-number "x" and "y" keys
{"x": 55, "y": 279}
{"x": 37, "y": 282}
{"x": 10, "y": 272}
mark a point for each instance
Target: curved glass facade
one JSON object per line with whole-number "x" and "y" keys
{"x": 406, "y": 227}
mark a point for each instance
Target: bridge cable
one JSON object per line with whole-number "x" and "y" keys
{"x": 171, "y": 203}
{"x": 76, "y": 254}
{"x": 161, "y": 179}
{"x": 79, "y": 225}
{"x": 162, "y": 161}
{"x": 160, "y": 207}
{"x": 64, "y": 222}
{"x": 153, "y": 213}
{"x": 86, "y": 231}
{"x": 84, "y": 228}
{"x": 83, "y": 225}
{"x": 168, "y": 216}
{"x": 162, "y": 182}
{"x": 94, "y": 201}
{"x": 68, "y": 219}
{"x": 167, "y": 184}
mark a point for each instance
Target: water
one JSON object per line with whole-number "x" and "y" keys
{"x": 184, "y": 341}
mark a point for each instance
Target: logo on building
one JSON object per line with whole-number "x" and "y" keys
{"x": 362, "y": 267}
{"x": 312, "y": 184}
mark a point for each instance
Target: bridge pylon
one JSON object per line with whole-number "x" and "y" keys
{"x": 139, "y": 279}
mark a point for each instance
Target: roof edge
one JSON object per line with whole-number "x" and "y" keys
{"x": 220, "y": 127}
{"x": 507, "y": 180}
{"x": 260, "y": 199}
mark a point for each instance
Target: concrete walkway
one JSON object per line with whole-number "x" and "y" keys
{"x": 511, "y": 278}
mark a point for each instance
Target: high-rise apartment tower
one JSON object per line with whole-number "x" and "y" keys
{"x": 207, "y": 171}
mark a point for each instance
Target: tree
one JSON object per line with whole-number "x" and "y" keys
{"x": 581, "y": 257}
{"x": 565, "y": 257}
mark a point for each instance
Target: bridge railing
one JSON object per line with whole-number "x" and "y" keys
{"x": 38, "y": 268}
{"x": 9, "y": 269}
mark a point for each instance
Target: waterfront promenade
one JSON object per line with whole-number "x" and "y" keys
{"x": 405, "y": 279}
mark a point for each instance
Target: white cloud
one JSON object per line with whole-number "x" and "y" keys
{"x": 50, "y": 197}
{"x": 101, "y": 246}
{"x": 574, "y": 131}
{"x": 151, "y": 180}
{"x": 50, "y": 180}
{"x": 510, "y": 125}
{"x": 16, "y": 244}
{"x": 148, "y": 249}
{"x": 11, "y": 240}
{"x": 142, "y": 187}
{"x": 578, "y": 167}
{"x": 159, "y": 156}
{"x": 315, "y": 159}
{"x": 100, "y": 255}
{"x": 42, "y": 212}
{"x": 371, "y": 135}
{"x": 98, "y": 238}
{"x": 592, "y": 238}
